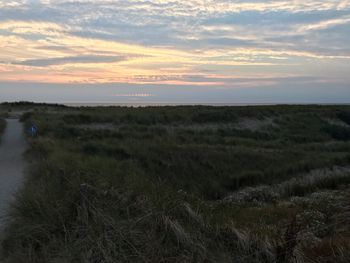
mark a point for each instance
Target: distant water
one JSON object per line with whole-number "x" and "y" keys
{"x": 72, "y": 104}
{"x": 134, "y": 104}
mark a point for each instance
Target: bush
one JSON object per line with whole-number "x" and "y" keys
{"x": 214, "y": 115}
{"x": 26, "y": 116}
{"x": 344, "y": 116}
{"x": 2, "y": 126}
{"x": 77, "y": 119}
{"x": 338, "y": 132}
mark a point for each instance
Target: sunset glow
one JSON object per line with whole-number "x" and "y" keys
{"x": 220, "y": 44}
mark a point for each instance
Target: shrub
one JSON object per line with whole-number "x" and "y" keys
{"x": 2, "y": 126}
{"x": 26, "y": 116}
{"x": 215, "y": 115}
{"x": 344, "y": 116}
{"x": 77, "y": 119}
{"x": 338, "y": 132}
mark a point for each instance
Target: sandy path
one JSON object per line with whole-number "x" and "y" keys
{"x": 12, "y": 164}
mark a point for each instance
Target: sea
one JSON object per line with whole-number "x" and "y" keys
{"x": 156, "y": 104}
{"x": 103, "y": 104}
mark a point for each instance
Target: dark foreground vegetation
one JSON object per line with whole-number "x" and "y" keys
{"x": 2, "y": 124}
{"x": 184, "y": 184}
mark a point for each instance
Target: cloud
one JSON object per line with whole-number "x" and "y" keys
{"x": 173, "y": 42}
{"x": 324, "y": 24}
{"x": 70, "y": 60}
{"x": 43, "y": 28}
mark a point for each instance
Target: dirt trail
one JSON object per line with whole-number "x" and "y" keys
{"x": 12, "y": 164}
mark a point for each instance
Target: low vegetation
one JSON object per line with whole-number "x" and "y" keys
{"x": 2, "y": 124}
{"x": 184, "y": 184}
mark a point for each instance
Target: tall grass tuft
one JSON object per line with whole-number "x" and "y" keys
{"x": 298, "y": 186}
{"x": 2, "y": 126}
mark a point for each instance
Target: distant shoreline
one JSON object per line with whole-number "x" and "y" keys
{"x": 93, "y": 104}
{"x": 154, "y": 104}
{"x": 163, "y": 104}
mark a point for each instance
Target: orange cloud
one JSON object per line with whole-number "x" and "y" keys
{"x": 55, "y": 56}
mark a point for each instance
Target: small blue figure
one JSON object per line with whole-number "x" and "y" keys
{"x": 33, "y": 130}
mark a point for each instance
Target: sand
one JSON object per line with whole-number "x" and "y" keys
{"x": 12, "y": 165}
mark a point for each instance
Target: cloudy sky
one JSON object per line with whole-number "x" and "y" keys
{"x": 172, "y": 51}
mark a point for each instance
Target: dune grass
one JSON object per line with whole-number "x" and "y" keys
{"x": 2, "y": 125}
{"x": 182, "y": 184}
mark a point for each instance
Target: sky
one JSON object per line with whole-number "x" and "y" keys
{"x": 172, "y": 51}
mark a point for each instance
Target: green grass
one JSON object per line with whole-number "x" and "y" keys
{"x": 2, "y": 126}
{"x": 155, "y": 184}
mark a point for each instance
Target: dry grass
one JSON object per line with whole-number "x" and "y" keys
{"x": 154, "y": 188}
{"x": 2, "y": 126}
{"x": 298, "y": 186}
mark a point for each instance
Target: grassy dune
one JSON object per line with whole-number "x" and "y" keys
{"x": 184, "y": 184}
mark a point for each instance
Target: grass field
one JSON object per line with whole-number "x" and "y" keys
{"x": 184, "y": 184}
